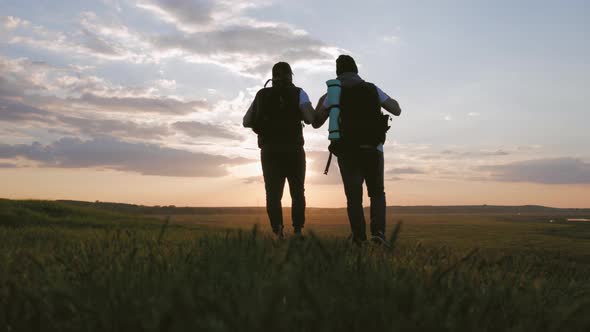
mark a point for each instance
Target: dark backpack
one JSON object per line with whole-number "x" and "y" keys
{"x": 362, "y": 123}
{"x": 278, "y": 118}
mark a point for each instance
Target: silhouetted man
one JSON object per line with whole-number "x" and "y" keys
{"x": 275, "y": 115}
{"x": 360, "y": 148}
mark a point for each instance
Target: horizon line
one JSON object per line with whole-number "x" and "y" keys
{"x": 309, "y": 207}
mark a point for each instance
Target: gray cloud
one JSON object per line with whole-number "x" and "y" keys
{"x": 219, "y": 32}
{"x": 84, "y": 93}
{"x": 12, "y": 111}
{"x": 197, "y": 129}
{"x": 162, "y": 105}
{"x": 110, "y": 153}
{"x": 99, "y": 45}
{"x": 111, "y": 127}
{"x": 185, "y": 13}
{"x": 249, "y": 48}
{"x": 245, "y": 40}
{"x": 19, "y": 113}
{"x": 210, "y": 31}
{"x": 545, "y": 171}
{"x": 8, "y": 165}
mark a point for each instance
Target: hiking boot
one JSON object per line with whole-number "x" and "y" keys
{"x": 357, "y": 240}
{"x": 279, "y": 233}
{"x": 298, "y": 234}
{"x": 379, "y": 239}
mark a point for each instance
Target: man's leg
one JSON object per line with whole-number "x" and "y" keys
{"x": 373, "y": 165}
{"x": 296, "y": 178}
{"x": 274, "y": 183}
{"x": 353, "y": 188}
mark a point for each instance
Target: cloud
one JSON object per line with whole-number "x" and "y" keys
{"x": 394, "y": 178}
{"x": 99, "y": 45}
{"x": 117, "y": 128}
{"x": 219, "y": 32}
{"x": 8, "y": 165}
{"x": 202, "y": 15}
{"x": 454, "y": 155}
{"x": 545, "y": 171}
{"x": 405, "y": 170}
{"x": 18, "y": 76}
{"x": 253, "y": 179}
{"x": 151, "y": 104}
{"x": 188, "y": 15}
{"x": 246, "y": 49}
{"x": 11, "y": 22}
{"x": 198, "y": 129}
{"x": 42, "y": 86}
{"x": 316, "y": 163}
{"x": 87, "y": 37}
{"x": 208, "y": 31}
{"x": 14, "y": 111}
{"x": 110, "y": 153}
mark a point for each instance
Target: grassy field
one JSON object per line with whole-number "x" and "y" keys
{"x": 72, "y": 266}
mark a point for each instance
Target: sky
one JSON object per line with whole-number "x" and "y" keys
{"x": 141, "y": 101}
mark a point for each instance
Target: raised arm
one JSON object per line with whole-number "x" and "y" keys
{"x": 321, "y": 113}
{"x": 392, "y": 106}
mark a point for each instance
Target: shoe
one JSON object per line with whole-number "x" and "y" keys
{"x": 379, "y": 239}
{"x": 279, "y": 233}
{"x": 298, "y": 234}
{"x": 357, "y": 240}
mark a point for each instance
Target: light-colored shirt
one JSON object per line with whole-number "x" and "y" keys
{"x": 303, "y": 98}
{"x": 382, "y": 97}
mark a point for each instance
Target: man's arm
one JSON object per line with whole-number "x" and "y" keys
{"x": 392, "y": 106}
{"x": 307, "y": 112}
{"x": 321, "y": 113}
{"x": 248, "y": 120}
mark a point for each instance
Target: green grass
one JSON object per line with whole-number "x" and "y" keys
{"x": 72, "y": 267}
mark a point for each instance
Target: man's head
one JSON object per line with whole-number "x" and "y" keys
{"x": 346, "y": 64}
{"x": 282, "y": 72}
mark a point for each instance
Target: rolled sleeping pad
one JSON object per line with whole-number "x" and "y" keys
{"x": 334, "y": 89}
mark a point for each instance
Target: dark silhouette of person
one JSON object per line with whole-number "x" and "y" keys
{"x": 276, "y": 115}
{"x": 360, "y": 149}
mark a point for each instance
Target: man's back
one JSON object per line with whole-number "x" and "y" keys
{"x": 278, "y": 117}
{"x": 361, "y": 117}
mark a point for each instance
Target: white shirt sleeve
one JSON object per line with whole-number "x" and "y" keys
{"x": 382, "y": 97}
{"x": 303, "y": 97}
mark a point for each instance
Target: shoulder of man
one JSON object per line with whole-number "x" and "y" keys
{"x": 263, "y": 91}
{"x": 380, "y": 94}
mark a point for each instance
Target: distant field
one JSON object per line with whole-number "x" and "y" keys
{"x": 70, "y": 266}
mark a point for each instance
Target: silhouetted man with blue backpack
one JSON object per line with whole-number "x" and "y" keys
{"x": 357, "y": 133}
{"x": 276, "y": 115}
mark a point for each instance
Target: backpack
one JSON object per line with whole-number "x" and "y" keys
{"x": 278, "y": 118}
{"x": 361, "y": 121}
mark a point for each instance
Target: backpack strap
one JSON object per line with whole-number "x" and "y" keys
{"x": 328, "y": 164}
